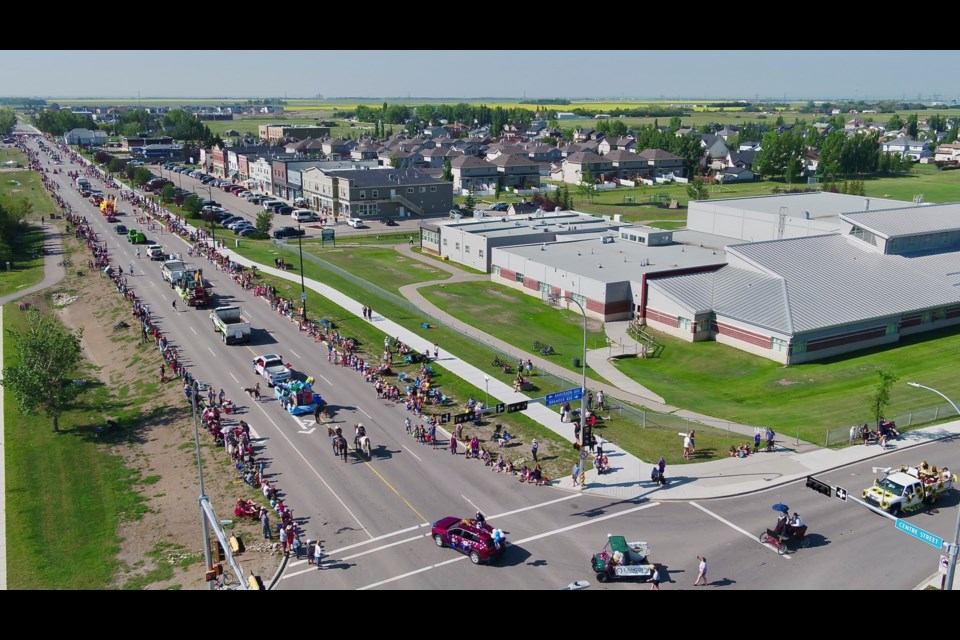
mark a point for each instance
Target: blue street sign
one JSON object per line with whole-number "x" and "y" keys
{"x": 920, "y": 534}
{"x": 560, "y": 397}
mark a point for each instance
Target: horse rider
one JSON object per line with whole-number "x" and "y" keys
{"x": 359, "y": 432}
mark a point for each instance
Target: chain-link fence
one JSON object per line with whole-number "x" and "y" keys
{"x": 841, "y": 435}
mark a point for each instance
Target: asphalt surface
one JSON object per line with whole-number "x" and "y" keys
{"x": 374, "y": 516}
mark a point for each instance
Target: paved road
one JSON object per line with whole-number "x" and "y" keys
{"x": 374, "y": 515}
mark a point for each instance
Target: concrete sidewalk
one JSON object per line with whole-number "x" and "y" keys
{"x": 52, "y": 272}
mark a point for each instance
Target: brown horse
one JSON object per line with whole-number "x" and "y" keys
{"x": 340, "y": 447}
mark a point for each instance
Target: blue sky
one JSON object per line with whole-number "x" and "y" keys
{"x": 468, "y": 74}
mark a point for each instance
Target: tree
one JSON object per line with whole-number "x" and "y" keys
{"x": 469, "y": 203}
{"x": 116, "y": 165}
{"x": 497, "y": 190}
{"x": 141, "y": 176}
{"x": 192, "y": 204}
{"x": 880, "y": 399}
{"x": 166, "y": 194}
{"x": 47, "y": 353}
{"x": 7, "y": 121}
{"x": 264, "y": 221}
{"x": 447, "y": 171}
{"x": 913, "y": 126}
{"x": 894, "y": 123}
{"x": 697, "y": 189}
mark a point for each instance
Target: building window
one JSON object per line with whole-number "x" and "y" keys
{"x": 374, "y": 194}
{"x": 466, "y": 248}
{"x": 423, "y": 189}
{"x": 496, "y": 268}
{"x": 444, "y": 242}
{"x": 778, "y": 344}
{"x": 891, "y": 328}
{"x": 363, "y": 195}
{"x": 519, "y": 277}
{"x": 433, "y": 189}
{"x": 576, "y": 297}
{"x": 543, "y": 286}
{"x": 683, "y": 323}
{"x": 799, "y": 345}
{"x": 480, "y": 253}
{"x": 409, "y": 189}
{"x": 457, "y": 247}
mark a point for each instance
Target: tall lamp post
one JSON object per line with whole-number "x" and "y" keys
{"x": 207, "y": 552}
{"x": 486, "y": 391}
{"x": 583, "y": 364}
{"x": 303, "y": 288}
{"x": 952, "y": 551}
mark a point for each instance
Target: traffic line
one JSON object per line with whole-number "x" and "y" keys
{"x": 412, "y": 453}
{"x": 295, "y": 353}
{"x": 315, "y": 472}
{"x": 362, "y": 553}
{"x": 539, "y": 536}
{"x": 471, "y": 502}
{"x": 164, "y": 297}
{"x": 194, "y": 331}
{"x": 399, "y": 495}
{"x": 365, "y": 413}
{"x": 324, "y": 379}
{"x": 211, "y": 351}
{"x": 736, "y": 528}
{"x": 234, "y": 377}
{"x": 153, "y": 284}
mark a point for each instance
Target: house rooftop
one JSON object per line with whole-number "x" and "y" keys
{"x": 908, "y": 221}
{"x": 820, "y": 204}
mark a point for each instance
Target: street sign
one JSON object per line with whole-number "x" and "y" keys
{"x": 517, "y": 406}
{"x": 583, "y": 454}
{"x": 568, "y": 395}
{"x": 463, "y": 417}
{"x": 944, "y": 564}
{"x": 445, "y": 418}
{"x": 841, "y": 494}
{"x": 920, "y": 534}
{"x": 500, "y": 408}
{"x": 303, "y": 295}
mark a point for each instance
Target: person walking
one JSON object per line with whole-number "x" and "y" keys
{"x": 163, "y": 374}
{"x": 138, "y": 253}
{"x": 174, "y": 306}
{"x": 433, "y": 434}
{"x": 575, "y": 473}
{"x": 453, "y": 444}
{"x": 600, "y": 400}
{"x": 655, "y": 579}
{"x": 701, "y": 571}
{"x": 436, "y": 351}
{"x": 256, "y": 392}
{"x": 131, "y": 268}
{"x": 533, "y": 449}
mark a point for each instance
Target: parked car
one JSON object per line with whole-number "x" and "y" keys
{"x": 390, "y": 222}
{"x": 284, "y": 210}
{"x": 304, "y": 215}
{"x": 500, "y": 206}
{"x": 286, "y": 232}
{"x": 121, "y": 229}
{"x": 247, "y": 231}
{"x": 356, "y": 223}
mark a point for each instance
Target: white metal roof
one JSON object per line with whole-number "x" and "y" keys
{"x": 908, "y": 221}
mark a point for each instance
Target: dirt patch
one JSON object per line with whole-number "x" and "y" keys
{"x": 786, "y": 382}
{"x": 63, "y": 299}
{"x": 164, "y": 549}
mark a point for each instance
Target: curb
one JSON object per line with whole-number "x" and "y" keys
{"x": 276, "y": 575}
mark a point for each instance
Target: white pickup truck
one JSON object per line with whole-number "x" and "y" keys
{"x": 908, "y": 488}
{"x": 230, "y": 324}
{"x": 271, "y": 367}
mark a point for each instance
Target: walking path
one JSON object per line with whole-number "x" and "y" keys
{"x": 52, "y": 272}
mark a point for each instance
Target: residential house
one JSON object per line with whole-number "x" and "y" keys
{"x": 907, "y": 148}
{"x": 581, "y": 163}
{"x": 473, "y": 174}
{"x": 305, "y": 147}
{"x": 748, "y": 145}
{"x": 435, "y": 132}
{"x": 609, "y": 144}
{"x": 660, "y": 162}
{"x": 734, "y": 174}
{"x": 365, "y": 151}
{"x": 381, "y": 193}
{"x": 685, "y": 131}
{"x": 336, "y": 148}
{"x": 811, "y": 160}
{"x": 569, "y": 149}
{"x": 517, "y": 171}
{"x": 716, "y": 151}
{"x": 948, "y": 153}
{"x": 81, "y": 136}
{"x": 728, "y": 132}
{"x": 742, "y": 159}
{"x": 626, "y": 165}
{"x": 494, "y": 151}
{"x": 544, "y": 153}
{"x": 584, "y": 134}
{"x": 522, "y": 209}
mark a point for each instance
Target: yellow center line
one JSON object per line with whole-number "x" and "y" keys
{"x": 419, "y": 515}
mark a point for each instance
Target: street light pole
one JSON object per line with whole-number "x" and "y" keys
{"x": 486, "y": 391}
{"x": 194, "y": 389}
{"x": 303, "y": 288}
{"x": 952, "y": 567}
{"x": 583, "y": 364}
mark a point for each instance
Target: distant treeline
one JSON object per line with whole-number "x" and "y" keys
{"x": 26, "y": 102}
{"x": 545, "y": 101}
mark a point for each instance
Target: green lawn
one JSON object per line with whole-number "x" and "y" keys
{"x": 66, "y": 496}
{"x": 12, "y": 153}
{"x": 515, "y": 317}
{"x": 383, "y": 266}
{"x": 730, "y": 384}
{"x": 26, "y": 270}
{"x": 934, "y": 184}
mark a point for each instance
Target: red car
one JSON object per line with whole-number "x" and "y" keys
{"x": 466, "y": 536}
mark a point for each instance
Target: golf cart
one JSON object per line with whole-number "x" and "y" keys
{"x": 621, "y": 559}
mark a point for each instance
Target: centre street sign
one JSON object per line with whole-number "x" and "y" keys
{"x": 920, "y": 534}
{"x": 569, "y": 395}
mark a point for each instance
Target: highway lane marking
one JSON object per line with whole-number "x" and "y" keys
{"x": 370, "y": 466}
{"x": 362, "y": 553}
{"x": 211, "y": 351}
{"x": 315, "y": 472}
{"x": 412, "y": 453}
{"x": 295, "y": 353}
{"x": 164, "y": 297}
{"x": 470, "y": 501}
{"x": 545, "y": 534}
{"x": 194, "y": 331}
{"x": 324, "y": 379}
{"x": 251, "y": 350}
{"x": 365, "y": 413}
{"x": 153, "y": 284}
{"x": 234, "y": 377}
{"x": 736, "y": 528}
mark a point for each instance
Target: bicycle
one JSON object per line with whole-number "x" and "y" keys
{"x": 546, "y": 350}
{"x": 223, "y": 581}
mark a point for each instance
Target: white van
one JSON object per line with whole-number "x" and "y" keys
{"x": 356, "y": 223}
{"x": 269, "y": 203}
{"x": 304, "y": 215}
